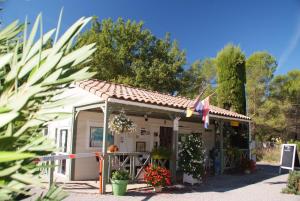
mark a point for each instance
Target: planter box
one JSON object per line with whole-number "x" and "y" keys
{"x": 119, "y": 187}
{"x": 189, "y": 179}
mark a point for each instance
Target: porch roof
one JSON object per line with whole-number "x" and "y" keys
{"x": 106, "y": 90}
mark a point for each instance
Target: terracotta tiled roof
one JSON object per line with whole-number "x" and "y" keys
{"x": 107, "y": 90}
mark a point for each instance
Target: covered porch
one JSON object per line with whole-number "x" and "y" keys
{"x": 157, "y": 126}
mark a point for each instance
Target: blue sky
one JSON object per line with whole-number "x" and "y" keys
{"x": 202, "y": 27}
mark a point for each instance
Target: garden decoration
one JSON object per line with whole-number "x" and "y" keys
{"x": 192, "y": 158}
{"x": 121, "y": 124}
{"x": 119, "y": 182}
{"x": 157, "y": 176}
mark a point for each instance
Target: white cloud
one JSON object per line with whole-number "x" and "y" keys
{"x": 292, "y": 45}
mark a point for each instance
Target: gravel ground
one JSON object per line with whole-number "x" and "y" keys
{"x": 263, "y": 185}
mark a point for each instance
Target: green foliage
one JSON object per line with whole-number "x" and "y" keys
{"x": 130, "y": 54}
{"x": 120, "y": 175}
{"x": 161, "y": 153}
{"x": 260, "y": 68}
{"x": 55, "y": 193}
{"x": 293, "y": 183}
{"x": 286, "y": 87}
{"x": 231, "y": 74}
{"x": 192, "y": 156}
{"x": 297, "y": 142}
{"x": 200, "y": 78}
{"x": 281, "y": 108}
{"x": 271, "y": 117}
{"x": 32, "y": 75}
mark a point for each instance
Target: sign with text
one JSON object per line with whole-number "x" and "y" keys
{"x": 289, "y": 157}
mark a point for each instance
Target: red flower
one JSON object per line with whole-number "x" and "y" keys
{"x": 157, "y": 176}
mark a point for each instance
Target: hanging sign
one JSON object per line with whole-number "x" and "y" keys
{"x": 289, "y": 157}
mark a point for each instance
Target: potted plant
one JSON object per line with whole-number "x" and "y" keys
{"x": 119, "y": 182}
{"x": 121, "y": 124}
{"x": 191, "y": 159}
{"x": 160, "y": 156}
{"x": 247, "y": 165}
{"x": 160, "y": 153}
{"x": 157, "y": 176}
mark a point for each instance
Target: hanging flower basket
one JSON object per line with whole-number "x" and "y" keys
{"x": 121, "y": 124}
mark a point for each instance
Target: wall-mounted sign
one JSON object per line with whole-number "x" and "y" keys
{"x": 234, "y": 123}
{"x": 289, "y": 157}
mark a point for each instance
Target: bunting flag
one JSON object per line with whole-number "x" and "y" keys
{"x": 205, "y": 112}
{"x": 191, "y": 109}
{"x": 202, "y": 107}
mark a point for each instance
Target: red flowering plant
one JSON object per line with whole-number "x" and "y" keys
{"x": 157, "y": 176}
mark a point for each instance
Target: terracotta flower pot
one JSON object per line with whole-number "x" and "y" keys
{"x": 113, "y": 148}
{"x": 157, "y": 189}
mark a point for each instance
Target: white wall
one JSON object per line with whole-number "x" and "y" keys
{"x": 79, "y": 97}
{"x": 88, "y": 169}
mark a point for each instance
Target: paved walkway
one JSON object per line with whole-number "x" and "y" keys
{"x": 263, "y": 185}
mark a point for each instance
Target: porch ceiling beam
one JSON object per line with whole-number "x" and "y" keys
{"x": 89, "y": 106}
{"x": 132, "y": 103}
{"x": 157, "y": 107}
{"x": 228, "y": 118}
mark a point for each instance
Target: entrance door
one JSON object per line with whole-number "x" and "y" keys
{"x": 165, "y": 137}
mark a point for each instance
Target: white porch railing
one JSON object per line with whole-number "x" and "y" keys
{"x": 135, "y": 162}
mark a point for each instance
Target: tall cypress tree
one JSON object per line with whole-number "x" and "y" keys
{"x": 231, "y": 79}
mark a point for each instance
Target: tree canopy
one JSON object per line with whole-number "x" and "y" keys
{"x": 260, "y": 67}
{"x": 130, "y": 54}
{"x": 231, "y": 77}
{"x": 200, "y": 78}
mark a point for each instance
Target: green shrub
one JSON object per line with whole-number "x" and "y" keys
{"x": 297, "y": 142}
{"x": 293, "y": 183}
{"x": 32, "y": 75}
{"x": 120, "y": 175}
{"x": 192, "y": 156}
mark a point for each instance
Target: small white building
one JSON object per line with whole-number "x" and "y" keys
{"x": 160, "y": 120}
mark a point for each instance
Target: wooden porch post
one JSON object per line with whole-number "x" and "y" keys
{"x": 251, "y": 144}
{"x": 222, "y": 146}
{"x": 173, "y": 162}
{"x": 106, "y": 114}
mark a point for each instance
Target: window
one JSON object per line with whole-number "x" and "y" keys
{"x": 63, "y": 140}
{"x": 62, "y": 166}
{"x": 45, "y": 131}
{"x": 96, "y": 136}
{"x": 140, "y": 146}
{"x": 56, "y": 133}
